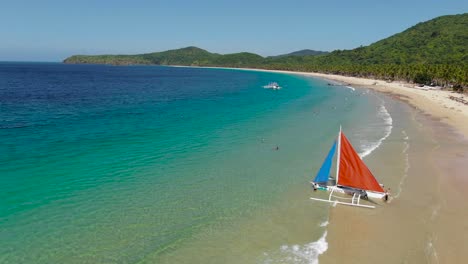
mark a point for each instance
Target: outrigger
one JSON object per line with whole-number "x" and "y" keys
{"x": 353, "y": 177}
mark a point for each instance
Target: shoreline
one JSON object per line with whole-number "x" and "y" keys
{"x": 435, "y": 172}
{"x": 425, "y": 221}
{"x": 434, "y": 102}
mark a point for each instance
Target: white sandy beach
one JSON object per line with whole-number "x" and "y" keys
{"x": 435, "y": 102}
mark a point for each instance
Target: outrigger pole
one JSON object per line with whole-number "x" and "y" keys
{"x": 354, "y": 200}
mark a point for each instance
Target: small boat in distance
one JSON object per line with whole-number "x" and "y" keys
{"x": 272, "y": 85}
{"x": 352, "y": 176}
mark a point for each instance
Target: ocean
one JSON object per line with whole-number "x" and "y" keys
{"x": 152, "y": 164}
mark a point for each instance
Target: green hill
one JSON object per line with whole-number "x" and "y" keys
{"x": 434, "y": 52}
{"x": 440, "y": 40}
{"x": 304, "y": 52}
{"x": 190, "y": 56}
{"x": 185, "y": 56}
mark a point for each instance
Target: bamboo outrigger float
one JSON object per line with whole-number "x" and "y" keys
{"x": 352, "y": 176}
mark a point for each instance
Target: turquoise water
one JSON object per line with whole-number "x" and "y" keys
{"x": 102, "y": 164}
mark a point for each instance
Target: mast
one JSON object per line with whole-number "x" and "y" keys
{"x": 338, "y": 156}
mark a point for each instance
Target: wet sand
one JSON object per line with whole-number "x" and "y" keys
{"x": 427, "y": 220}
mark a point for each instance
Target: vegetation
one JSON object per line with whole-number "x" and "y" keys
{"x": 190, "y": 56}
{"x": 305, "y": 52}
{"x": 433, "y": 52}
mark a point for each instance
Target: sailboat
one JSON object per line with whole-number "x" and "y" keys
{"x": 353, "y": 177}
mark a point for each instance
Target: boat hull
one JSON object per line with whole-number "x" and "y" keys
{"x": 370, "y": 194}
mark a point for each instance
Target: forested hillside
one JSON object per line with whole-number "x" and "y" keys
{"x": 432, "y": 52}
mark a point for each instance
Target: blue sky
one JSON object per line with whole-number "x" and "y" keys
{"x": 50, "y": 30}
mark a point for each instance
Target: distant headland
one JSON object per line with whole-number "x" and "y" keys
{"x": 432, "y": 52}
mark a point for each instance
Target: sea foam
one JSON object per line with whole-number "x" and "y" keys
{"x": 407, "y": 165}
{"x": 308, "y": 253}
{"x": 388, "y": 122}
{"x": 324, "y": 224}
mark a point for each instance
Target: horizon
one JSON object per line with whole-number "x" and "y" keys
{"x": 51, "y": 31}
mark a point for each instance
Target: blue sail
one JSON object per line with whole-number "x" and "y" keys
{"x": 324, "y": 172}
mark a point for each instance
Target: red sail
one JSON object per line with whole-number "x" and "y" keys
{"x": 353, "y": 172}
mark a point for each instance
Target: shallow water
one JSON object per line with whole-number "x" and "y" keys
{"x": 141, "y": 164}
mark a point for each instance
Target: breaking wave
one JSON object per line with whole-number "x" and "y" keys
{"x": 307, "y": 254}
{"x": 324, "y": 224}
{"x": 388, "y": 121}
